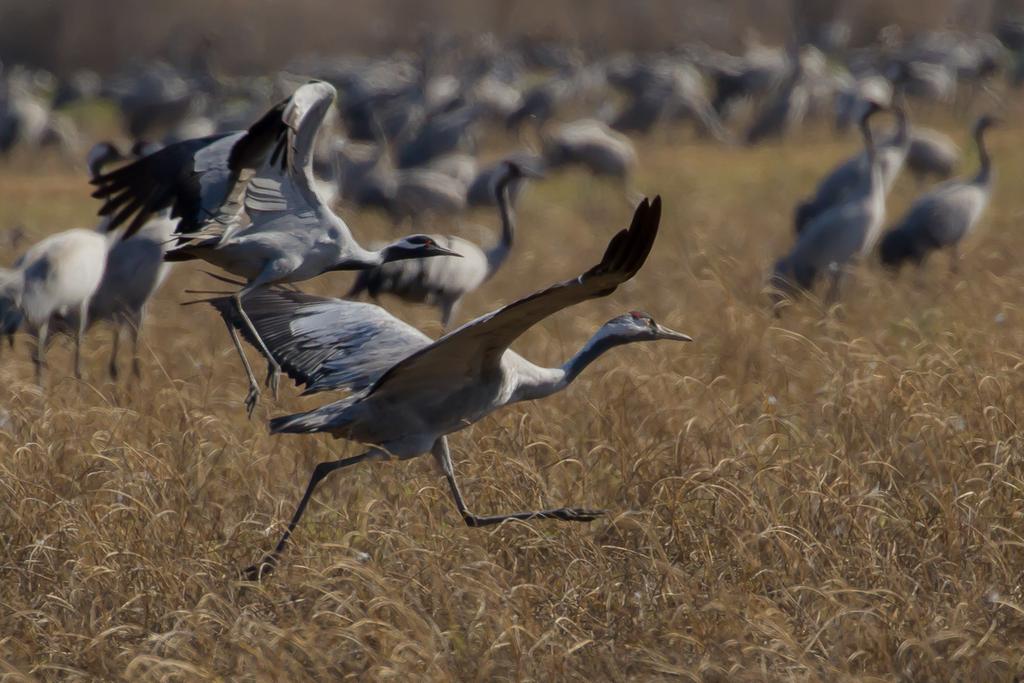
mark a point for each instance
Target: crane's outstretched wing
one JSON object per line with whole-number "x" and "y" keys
{"x": 199, "y": 180}
{"x": 479, "y": 344}
{"x": 287, "y": 187}
{"x": 325, "y": 343}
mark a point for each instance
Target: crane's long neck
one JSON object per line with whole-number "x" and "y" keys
{"x": 497, "y": 254}
{"x": 546, "y": 381}
{"x": 984, "y": 175}
{"x": 902, "y": 137}
{"x": 355, "y": 257}
{"x": 874, "y": 168}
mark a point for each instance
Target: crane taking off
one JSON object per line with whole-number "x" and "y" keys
{"x": 409, "y": 393}
{"x": 247, "y": 204}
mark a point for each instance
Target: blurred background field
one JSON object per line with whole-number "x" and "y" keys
{"x": 828, "y": 495}
{"x": 242, "y": 35}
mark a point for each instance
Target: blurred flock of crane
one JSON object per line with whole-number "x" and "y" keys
{"x": 266, "y": 177}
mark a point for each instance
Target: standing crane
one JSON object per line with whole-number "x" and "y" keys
{"x": 443, "y": 282}
{"x": 931, "y": 153}
{"x": 135, "y": 268}
{"x": 247, "y": 204}
{"x": 409, "y": 393}
{"x": 57, "y": 278}
{"x": 851, "y": 176}
{"x": 942, "y": 218}
{"x": 840, "y": 234}
{"x": 593, "y": 145}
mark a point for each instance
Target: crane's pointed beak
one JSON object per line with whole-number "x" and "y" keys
{"x": 665, "y": 333}
{"x": 438, "y": 250}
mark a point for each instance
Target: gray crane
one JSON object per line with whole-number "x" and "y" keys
{"x": 943, "y": 217}
{"x": 421, "y": 192}
{"x": 851, "y": 176}
{"x": 840, "y": 234}
{"x": 483, "y": 190}
{"x": 443, "y": 282}
{"x": 593, "y": 145}
{"x": 784, "y": 111}
{"x": 931, "y": 153}
{"x": 540, "y": 102}
{"x": 270, "y": 227}
{"x": 409, "y": 393}
{"x": 135, "y": 268}
{"x": 442, "y": 133}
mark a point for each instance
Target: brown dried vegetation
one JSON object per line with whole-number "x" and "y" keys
{"x": 821, "y": 497}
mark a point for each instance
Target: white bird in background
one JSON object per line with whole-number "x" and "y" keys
{"x": 57, "y": 278}
{"x": 444, "y": 282}
{"x": 281, "y": 232}
{"x": 408, "y": 393}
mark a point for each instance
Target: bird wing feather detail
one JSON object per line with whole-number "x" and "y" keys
{"x": 324, "y": 343}
{"x": 200, "y": 180}
{"x": 479, "y": 344}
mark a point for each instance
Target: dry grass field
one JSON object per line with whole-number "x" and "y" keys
{"x": 824, "y": 496}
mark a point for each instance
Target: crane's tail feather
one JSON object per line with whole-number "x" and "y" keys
{"x": 323, "y": 419}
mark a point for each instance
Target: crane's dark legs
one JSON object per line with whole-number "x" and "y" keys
{"x": 269, "y": 561}
{"x": 136, "y": 330}
{"x": 273, "y": 369}
{"x": 39, "y": 357}
{"x": 83, "y": 322}
{"x": 836, "y": 276}
{"x": 115, "y": 345}
{"x": 448, "y": 309}
{"x": 254, "y": 387}
{"x": 444, "y": 459}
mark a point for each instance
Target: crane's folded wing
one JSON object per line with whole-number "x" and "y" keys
{"x": 325, "y": 343}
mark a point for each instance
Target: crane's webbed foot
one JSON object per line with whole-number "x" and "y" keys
{"x": 251, "y": 399}
{"x": 564, "y": 514}
{"x": 261, "y": 569}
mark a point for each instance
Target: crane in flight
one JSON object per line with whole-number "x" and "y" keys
{"x": 407, "y": 393}
{"x": 246, "y": 202}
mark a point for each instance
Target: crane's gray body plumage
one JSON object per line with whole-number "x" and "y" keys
{"x": 853, "y": 176}
{"x": 593, "y": 145}
{"x": 266, "y": 222}
{"x": 135, "y": 271}
{"x": 945, "y": 215}
{"x": 409, "y": 392}
{"x": 470, "y": 372}
{"x": 784, "y": 111}
{"x": 443, "y": 282}
{"x": 931, "y": 153}
{"x": 840, "y": 234}
{"x": 483, "y": 191}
